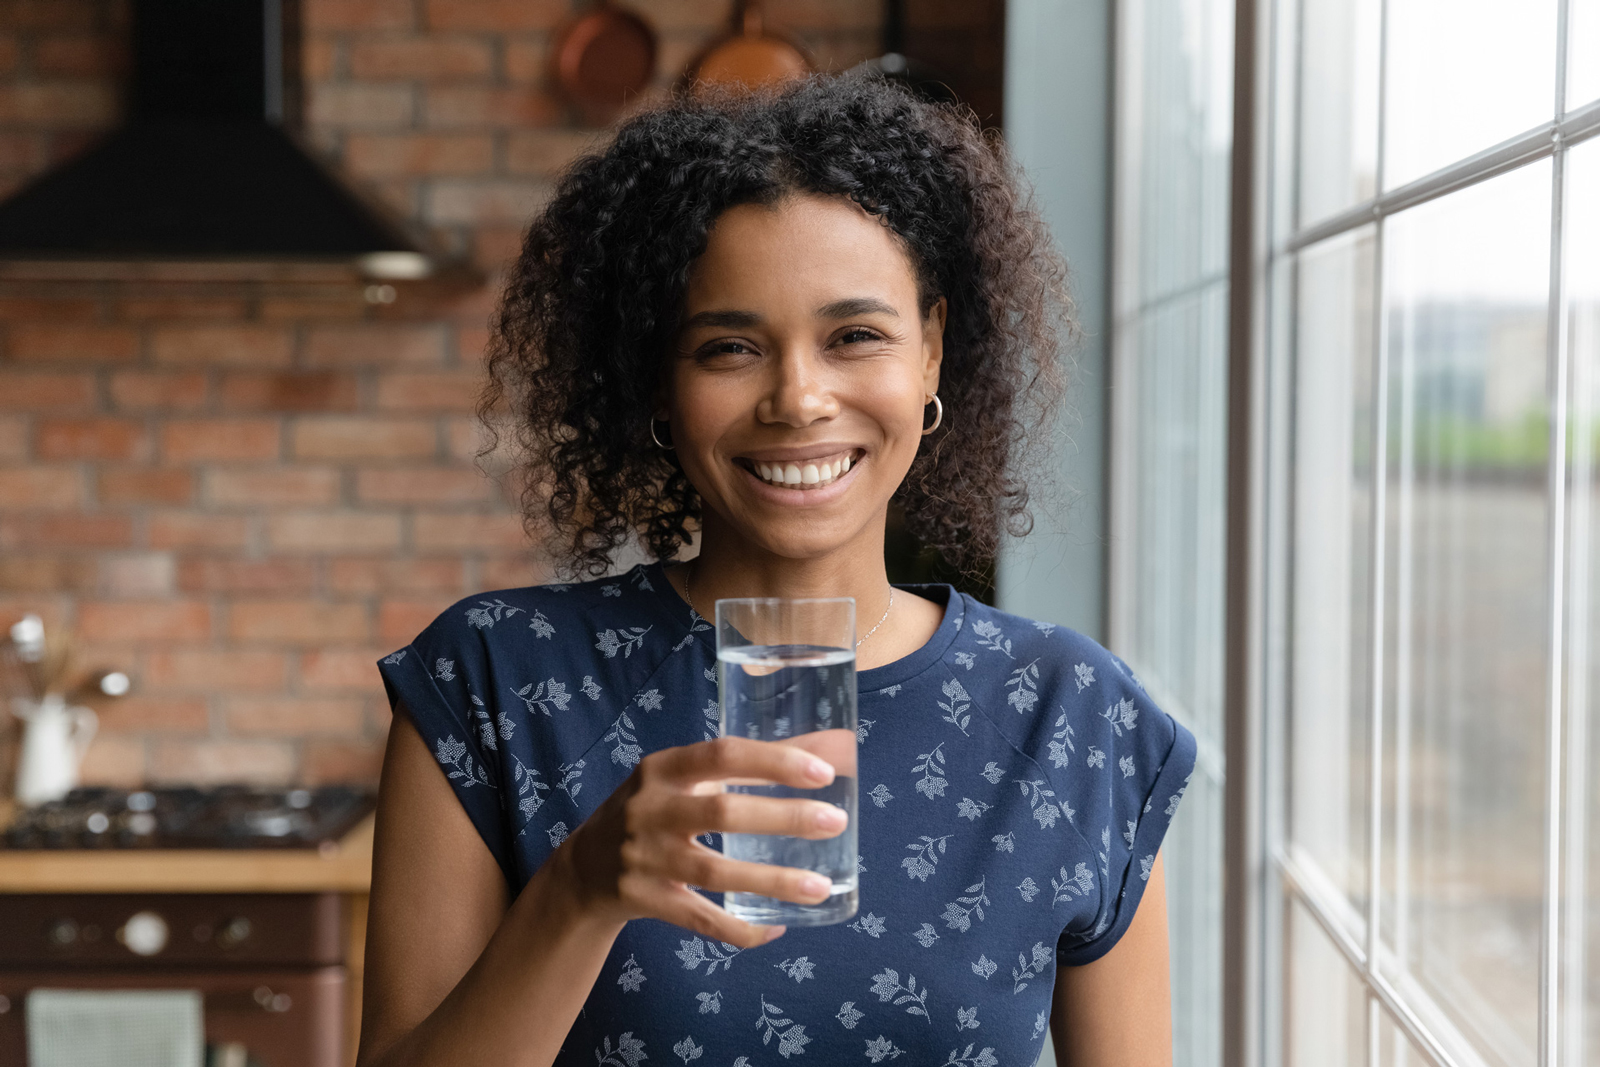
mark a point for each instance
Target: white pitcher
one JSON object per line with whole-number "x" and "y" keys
{"x": 54, "y": 740}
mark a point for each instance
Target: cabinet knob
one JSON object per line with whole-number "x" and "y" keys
{"x": 145, "y": 933}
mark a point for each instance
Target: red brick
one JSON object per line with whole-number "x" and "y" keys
{"x": 411, "y": 58}
{"x": 272, "y": 576}
{"x": 547, "y": 152}
{"x": 335, "y": 302}
{"x": 180, "y": 529}
{"x": 495, "y": 248}
{"x": 80, "y": 55}
{"x": 47, "y": 574}
{"x": 360, "y": 14}
{"x": 499, "y": 16}
{"x": 423, "y": 485}
{"x": 418, "y": 154}
{"x": 40, "y": 487}
{"x": 78, "y": 344}
{"x": 338, "y": 762}
{"x": 14, "y": 437}
{"x": 295, "y": 716}
{"x": 298, "y": 622}
{"x": 333, "y": 532}
{"x": 512, "y": 572}
{"x": 467, "y": 532}
{"x": 360, "y": 105}
{"x": 190, "y": 305}
{"x": 8, "y": 54}
{"x": 146, "y": 485}
{"x": 272, "y": 486}
{"x": 115, "y": 761}
{"x": 220, "y": 439}
{"x": 342, "y": 670}
{"x": 290, "y": 391}
{"x": 66, "y": 531}
{"x": 205, "y": 670}
{"x": 140, "y": 714}
{"x": 365, "y": 438}
{"x": 152, "y": 620}
{"x": 381, "y": 345}
{"x": 101, "y": 438}
{"x": 139, "y": 574}
{"x": 34, "y": 391}
{"x": 473, "y": 106}
{"x": 429, "y": 391}
{"x": 47, "y": 308}
{"x": 380, "y": 575}
{"x": 265, "y": 763}
{"x": 319, "y": 57}
{"x": 158, "y": 390}
{"x": 239, "y": 346}
{"x": 401, "y": 620}
{"x": 492, "y": 201}
{"x": 526, "y": 59}
{"x": 58, "y": 104}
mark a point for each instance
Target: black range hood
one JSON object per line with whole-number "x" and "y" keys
{"x": 204, "y": 169}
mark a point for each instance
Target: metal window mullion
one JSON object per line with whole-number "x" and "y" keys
{"x": 1525, "y": 147}
{"x": 1551, "y": 948}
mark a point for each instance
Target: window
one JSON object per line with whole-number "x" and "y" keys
{"x": 1432, "y": 255}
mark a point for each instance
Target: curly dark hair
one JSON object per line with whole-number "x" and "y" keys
{"x": 592, "y": 307}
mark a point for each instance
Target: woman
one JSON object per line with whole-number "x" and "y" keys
{"x": 763, "y": 320}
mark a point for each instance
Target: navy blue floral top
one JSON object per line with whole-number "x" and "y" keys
{"x": 1015, "y": 779}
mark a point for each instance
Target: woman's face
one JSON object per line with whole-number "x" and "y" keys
{"x": 796, "y": 393}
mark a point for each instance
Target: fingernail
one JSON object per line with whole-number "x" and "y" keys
{"x": 814, "y": 885}
{"x": 820, "y": 770}
{"x": 775, "y": 932}
{"x": 831, "y": 818}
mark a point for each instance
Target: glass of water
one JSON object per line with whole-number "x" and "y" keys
{"x": 786, "y": 672}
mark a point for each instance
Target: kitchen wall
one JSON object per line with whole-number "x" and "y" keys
{"x": 243, "y": 493}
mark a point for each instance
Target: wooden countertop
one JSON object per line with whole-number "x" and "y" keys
{"x": 345, "y": 868}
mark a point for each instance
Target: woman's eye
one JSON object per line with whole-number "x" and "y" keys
{"x": 857, "y": 336}
{"x": 723, "y": 348}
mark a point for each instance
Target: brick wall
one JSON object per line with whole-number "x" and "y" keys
{"x": 244, "y": 493}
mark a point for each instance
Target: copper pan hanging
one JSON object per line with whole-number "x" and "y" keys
{"x": 604, "y": 59}
{"x": 751, "y": 57}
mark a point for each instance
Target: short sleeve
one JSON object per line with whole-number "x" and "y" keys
{"x": 436, "y": 679}
{"x": 1127, "y": 771}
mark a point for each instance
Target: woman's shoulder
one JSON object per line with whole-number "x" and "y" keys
{"x": 1033, "y": 660}
{"x": 560, "y": 612}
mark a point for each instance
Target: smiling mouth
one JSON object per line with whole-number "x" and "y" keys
{"x": 807, "y": 474}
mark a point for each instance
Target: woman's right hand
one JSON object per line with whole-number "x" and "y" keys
{"x": 636, "y": 856}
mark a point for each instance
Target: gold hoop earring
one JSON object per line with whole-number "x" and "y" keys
{"x": 938, "y": 413}
{"x": 657, "y": 440}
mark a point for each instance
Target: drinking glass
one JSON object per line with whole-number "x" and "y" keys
{"x": 786, "y": 672}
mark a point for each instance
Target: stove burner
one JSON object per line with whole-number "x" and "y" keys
{"x": 224, "y": 817}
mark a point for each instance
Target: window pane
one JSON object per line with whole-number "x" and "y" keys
{"x": 1583, "y": 686}
{"x": 1583, "y": 56}
{"x": 1193, "y": 861}
{"x": 1335, "y": 328}
{"x": 1177, "y": 486}
{"x": 1183, "y": 126}
{"x": 1467, "y": 537}
{"x": 1463, "y": 75}
{"x": 1395, "y": 1048}
{"x": 1338, "y": 105}
{"x": 1326, "y": 1004}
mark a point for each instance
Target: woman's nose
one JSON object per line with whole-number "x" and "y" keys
{"x": 799, "y": 393}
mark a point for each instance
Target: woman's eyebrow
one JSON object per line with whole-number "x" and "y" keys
{"x": 859, "y": 305}
{"x": 723, "y": 319}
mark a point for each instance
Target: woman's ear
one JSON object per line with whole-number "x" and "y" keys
{"x": 933, "y": 344}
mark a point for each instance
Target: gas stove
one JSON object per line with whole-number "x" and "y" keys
{"x": 223, "y": 817}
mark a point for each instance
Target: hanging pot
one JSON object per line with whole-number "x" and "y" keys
{"x": 604, "y": 59}
{"x": 752, "y": 57}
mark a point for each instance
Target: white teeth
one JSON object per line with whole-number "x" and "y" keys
{"x": 795, "y": 474}
{"x": 765, "y": 472}
{"x": 844, "y": 464}
{"x": 791, "y": 474}
{"x": 833, "y": 469}
{"x": 808, "y": 474}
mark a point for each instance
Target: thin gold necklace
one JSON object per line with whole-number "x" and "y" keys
{"x": 688, "y": 573}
